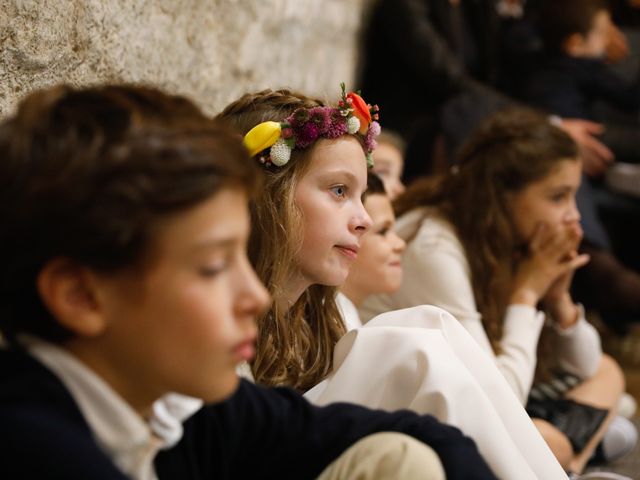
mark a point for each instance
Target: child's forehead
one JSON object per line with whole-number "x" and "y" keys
{"x": 344, "y": 153}
{"x": 387, "y": 155}
{"x": 219, "y": 220}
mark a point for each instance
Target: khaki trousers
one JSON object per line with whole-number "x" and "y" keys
{"x": 386, "y": 456}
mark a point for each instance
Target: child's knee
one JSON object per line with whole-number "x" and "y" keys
{"x": 610, "y": 369}
{"x": 386, "y": 456}
{"x": 557, "y": 442}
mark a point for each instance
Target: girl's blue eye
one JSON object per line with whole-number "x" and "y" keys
{"x": 339, "y": 190}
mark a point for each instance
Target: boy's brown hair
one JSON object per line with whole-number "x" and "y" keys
{"x": 87, "y": 174}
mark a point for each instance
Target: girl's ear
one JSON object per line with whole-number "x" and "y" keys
{"x": 574, "y": 45}
{"x": 69, "y": 291}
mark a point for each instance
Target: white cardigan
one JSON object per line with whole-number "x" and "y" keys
{"x": 436, "y": 272}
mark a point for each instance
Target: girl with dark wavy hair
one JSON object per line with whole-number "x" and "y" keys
{"x": 494, "y": 242}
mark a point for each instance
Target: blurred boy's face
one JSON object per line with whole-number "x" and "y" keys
{"x": 594, "y": 44}
{"x": 184, "y": 322}
{"x": 388, "y": 165}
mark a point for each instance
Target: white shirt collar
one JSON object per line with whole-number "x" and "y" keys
{"x": 349, "y": 312}
{"x": 120, "y": 431}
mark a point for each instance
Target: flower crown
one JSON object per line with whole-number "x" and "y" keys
{"x": 274, "y": 141}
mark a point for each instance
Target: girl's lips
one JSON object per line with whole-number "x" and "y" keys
{"x": 350, "y": 251}
{"x": 245, "y": 351}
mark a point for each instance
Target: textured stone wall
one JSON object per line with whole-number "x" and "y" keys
{"x": 210, "y": 50}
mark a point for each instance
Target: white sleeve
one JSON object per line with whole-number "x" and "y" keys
{"x": 578, "y": 349}
{"x": 517, "y": 361}
{"x": 437, "y": 273}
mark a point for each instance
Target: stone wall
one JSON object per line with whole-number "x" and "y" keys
{"x": 210, "y": 50}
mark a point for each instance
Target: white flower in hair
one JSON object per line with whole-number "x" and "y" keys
{"x": 280, "y": 153}
{"x": 353, "y": 125}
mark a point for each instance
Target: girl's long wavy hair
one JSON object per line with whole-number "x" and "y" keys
{"x": 294, "y": 346}
{"x": 511, "y": 150}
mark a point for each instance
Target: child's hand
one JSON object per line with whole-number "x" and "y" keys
{"x": 549, "y": 266}
{"x": 596, "y": 156}
{"x": 557, "y": 301}
{"x": 561, "y": 285}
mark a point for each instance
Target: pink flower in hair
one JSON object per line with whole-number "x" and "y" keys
{"x": 370, "y": 139}
{"x": 298, "y": 118}
{"x": 370, "y": 144}
{"x": 306, "y": 135}
{"x": 319, "y": 116}
{"x": 337, "y": 126}
{"x": 374, "y": 129}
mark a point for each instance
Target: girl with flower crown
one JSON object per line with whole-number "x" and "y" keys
{"x": 307, "y": 229}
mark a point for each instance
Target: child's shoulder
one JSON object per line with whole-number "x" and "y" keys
{"x": 425, "y": 227}
{"x": 25, "y": 381}
{"x": 43, "y": 432}
{"x": 573, "y": 65}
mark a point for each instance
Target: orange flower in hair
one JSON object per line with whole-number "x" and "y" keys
{"x": 360, "y": 111}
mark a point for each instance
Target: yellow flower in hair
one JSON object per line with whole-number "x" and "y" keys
{"x": 262, "y": 136}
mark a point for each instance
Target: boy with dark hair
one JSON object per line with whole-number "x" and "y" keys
{"x": 124, "y": 278}
{"x": 572, "y": 74}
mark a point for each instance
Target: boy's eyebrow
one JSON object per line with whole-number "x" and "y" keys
{"x": 387, "y": 222}
{"x": 559, "y": 188}
{"x": 221, "y": 243}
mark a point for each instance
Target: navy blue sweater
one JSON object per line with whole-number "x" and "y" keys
{"x": 570, "y": 86}
{"x": 257, "y": 433}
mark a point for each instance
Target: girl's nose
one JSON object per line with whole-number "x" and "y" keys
{"x": 361, "y": 221}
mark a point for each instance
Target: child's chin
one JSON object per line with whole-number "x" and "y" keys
{"x": 334, "y": 278}
{"x": 336, "y": 282}
{"x": 223, "y": 389}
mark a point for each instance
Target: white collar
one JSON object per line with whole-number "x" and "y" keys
{"x": 120, "y": 431}
{"x": 348, "y": 311}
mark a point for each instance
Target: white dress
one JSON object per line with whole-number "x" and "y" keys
{"x": 423, "y": 359}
